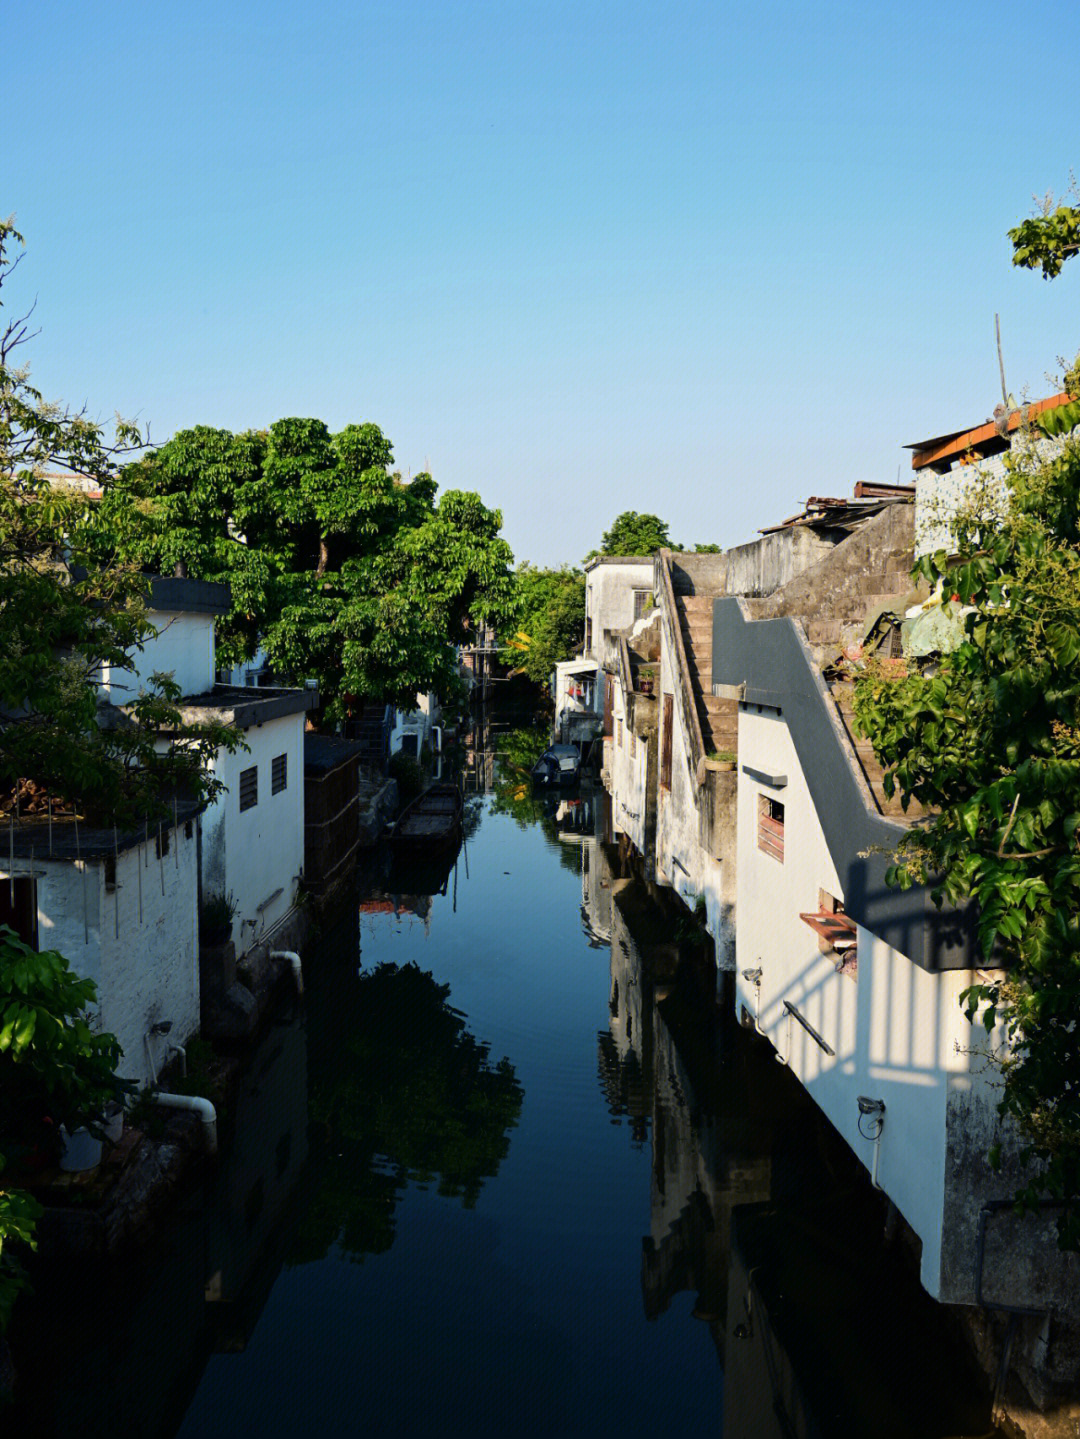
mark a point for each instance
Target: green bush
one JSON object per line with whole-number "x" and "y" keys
{"x": 406, "y": 769}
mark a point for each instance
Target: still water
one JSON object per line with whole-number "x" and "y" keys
{"x": 504, "y": 1174}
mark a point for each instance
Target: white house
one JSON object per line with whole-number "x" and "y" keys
{"x": 121, "y": 907}
{"x": 252, "y": 840}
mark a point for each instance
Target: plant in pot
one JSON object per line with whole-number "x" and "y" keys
{"x": 216, "y": 918}
{"x": 646, "y": 677}
{"x": 724, "y": 759}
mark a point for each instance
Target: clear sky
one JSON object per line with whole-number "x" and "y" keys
{"x": 692, "y": 258}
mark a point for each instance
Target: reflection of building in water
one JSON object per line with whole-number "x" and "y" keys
{"x": 710, "y": 1145}
{"x": 478, "y": 774}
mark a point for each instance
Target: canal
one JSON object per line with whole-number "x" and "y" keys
{"x": 504, "y": 1172}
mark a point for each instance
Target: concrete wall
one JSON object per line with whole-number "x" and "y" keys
{"x": 681, "y": 860}
{"x": 982, "y": 486}
{"x": 253, "y": 853}
{"x": 138, "y": 942}
{"x": 417, "y": 724}
{"x": 897, "y": 1031}
{"x": 609, "y": 600}
{"x": 182, "y": 647}
{"x": 626, "y": 773}
{"x": 765, "y": 564}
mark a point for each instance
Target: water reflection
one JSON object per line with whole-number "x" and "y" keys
{"x": 399, "y": 1092}
{"x": 667, "y": 1237}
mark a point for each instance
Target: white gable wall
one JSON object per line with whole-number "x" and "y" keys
{"x": 137, "y": 942}
{"x": 182, "y": 647}
{"x": 257, "y": 855}
{"x": 897, "y": 1031}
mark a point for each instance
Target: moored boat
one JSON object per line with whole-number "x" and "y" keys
{"x": 430, "y": 823}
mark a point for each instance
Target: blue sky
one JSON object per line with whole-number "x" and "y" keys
{"x": 690, "y": 258}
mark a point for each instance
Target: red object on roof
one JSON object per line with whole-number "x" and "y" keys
{"x": 947, "y": 447}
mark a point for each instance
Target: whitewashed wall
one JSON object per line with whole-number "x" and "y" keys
{"x": 143, "y": 956}
{"x": 182, "y": 647}
{"x": 626, "y": 762}
{"x": 898, "y": 1032}
{"x": 609, "y": 599}
{"x": 250, "y": 854}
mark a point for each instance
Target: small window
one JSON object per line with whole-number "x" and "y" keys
{"x": 770, "y": 830}
{"x": 249, "y": 787}
{"x": 279, "y": 773}
{"x": 618, "y": 733}
{"x": 643, "y": 603}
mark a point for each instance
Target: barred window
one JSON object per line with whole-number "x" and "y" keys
{"x": 279, "y": 773}
{"x": 249, "y": 787}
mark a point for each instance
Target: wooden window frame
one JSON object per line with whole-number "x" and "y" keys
{"x": 770, "y": 826}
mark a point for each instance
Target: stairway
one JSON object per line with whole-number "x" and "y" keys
{"x": 843, "y": 694}
{"x": 719, "y": 719}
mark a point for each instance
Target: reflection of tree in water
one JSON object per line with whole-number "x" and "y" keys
{"x": 518, "y": 751}
{"x": 409, "y": 1095}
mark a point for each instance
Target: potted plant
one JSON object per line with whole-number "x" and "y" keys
{"x": 646, "y": 677}
{"x": 723, "y": 759}
{"x": 216, "y": 918}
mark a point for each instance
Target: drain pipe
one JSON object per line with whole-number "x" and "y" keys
{"x": 193, "y": 1104}
{"x": 182, "y": 1052}
{"x": 874, "y": 1110}
{"x": 294, "y": 959}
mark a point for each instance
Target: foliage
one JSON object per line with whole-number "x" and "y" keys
{"x": 54, "y": 1070}
{"x": 519, "y": 749}
{"x": 408, "y": 772}
{"x": 344, "y": 573}
{"x": 546, "y": 622}
{"x": 992, "y": 741}
{"x": 404, "y": 1093}
{"x": 62, "y": 616}
{"x": 634, "y": 534}
{"x": 1046, "y": 240}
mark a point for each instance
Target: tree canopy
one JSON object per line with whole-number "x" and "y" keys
{"x": 634, "y": 534}
{"x": 344, "y": 572}
{"x": 547, "y": 621}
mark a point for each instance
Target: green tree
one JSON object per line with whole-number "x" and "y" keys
{"x": 547, "y": 621}
{"x": 634, "y": 534}
{"x": 417, "y": 1099}
{"x": 991, "y": 741}
{"x": 61, "y": 616}
{"x": 344, "y": 573}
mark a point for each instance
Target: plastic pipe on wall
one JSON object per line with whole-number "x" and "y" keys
{"x": 194, "y": 1105}
{"x": 294, "y": 959}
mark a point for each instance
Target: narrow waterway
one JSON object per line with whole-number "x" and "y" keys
{"x": 504, "y": 1174}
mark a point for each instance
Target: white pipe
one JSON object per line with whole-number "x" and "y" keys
{"x": 294, "y": 959}
{"x": 182, "y": 1052}
{"x": 150, "y": 1057}
{"x": 877, "y": 1151}
{"x": 194, "y": 1105}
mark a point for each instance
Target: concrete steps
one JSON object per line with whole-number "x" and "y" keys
{"x": 873, "y": 771}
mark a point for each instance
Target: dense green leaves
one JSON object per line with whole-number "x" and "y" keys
{"x": 991, "y": 741}
{"x": 547, "y": 620}
{"x": 342, "y": 571}
{"x": 634, "y": 534}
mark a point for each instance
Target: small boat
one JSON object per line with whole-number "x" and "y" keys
{"x": 559, "y": 765}
{"x": 430, "y": 823}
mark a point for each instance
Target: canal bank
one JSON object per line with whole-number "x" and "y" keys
{"x": 488, "y": 1180}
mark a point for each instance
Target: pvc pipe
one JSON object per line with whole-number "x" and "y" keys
{"x": 182, "y": 1052}
{"x": 194, "y": 1105}
{"x": 294, "y": 959}
{"x": 877, "y": 1152}
{"x": 150, "y": 1057}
